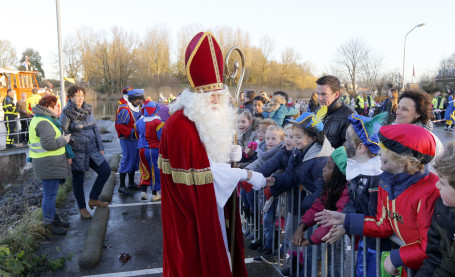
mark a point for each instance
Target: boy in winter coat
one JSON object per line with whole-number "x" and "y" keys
{"x": 406, "y": 197}
{"x": 441, "y": 235}
{"x": 148, "y": 130}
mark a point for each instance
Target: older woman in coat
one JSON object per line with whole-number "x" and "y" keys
{"x": 77, "y": 118}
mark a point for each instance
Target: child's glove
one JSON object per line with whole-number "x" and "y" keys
{"x": 253, "y": 145}
{"x": 267, "y": 193}
{"x": 246, "y": 186}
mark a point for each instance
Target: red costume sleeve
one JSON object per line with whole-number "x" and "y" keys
{"x": 379, "y": 226}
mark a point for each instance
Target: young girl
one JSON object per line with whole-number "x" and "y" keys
{"x": 304, "y": 168}
{"x": 276, "y": 109}
{"x": 246, "y": 132}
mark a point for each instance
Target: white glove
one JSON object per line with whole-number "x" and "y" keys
{"x": 236, "y": 153}
{"x": 257, "y": 180}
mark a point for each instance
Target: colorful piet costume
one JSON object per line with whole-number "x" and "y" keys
{"x": 149, "y": 128}
{"x": 405, "y": 201}
{"x": 195, "y": 215}
{"x": 127, "y": 116}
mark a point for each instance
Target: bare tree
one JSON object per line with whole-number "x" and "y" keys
{"x": 155, "y": 52}
{"x": 289, "y": 59}
{"x": 266, "y": 44}
{"x": 351, "y": 56}
{"x": 184, "y": 36}
{"x": 72, "y": 57}
{"x": 8, "y": 56}
{"x": 370, "y": 72}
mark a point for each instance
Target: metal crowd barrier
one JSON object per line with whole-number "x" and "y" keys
{"x": 337, "y": 259}
{"x": 4, "y": 132}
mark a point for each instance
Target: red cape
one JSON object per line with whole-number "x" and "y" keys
{"x": 192, "y": 238}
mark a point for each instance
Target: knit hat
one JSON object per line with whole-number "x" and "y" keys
{"x": 135, "y": 92}
{"x": 308, "y": 119}
{"x": 408, "y": 139}
{"x": 340, "y": 158}
{"x": 150, "y": 108}
{"x": 126, "y": 89}
{"x": 367, "y": 129}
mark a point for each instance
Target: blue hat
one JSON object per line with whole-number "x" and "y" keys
{"x": 135, "y": 92}
{"x": 306, "y": 119}
{"x": 367, "y": 129}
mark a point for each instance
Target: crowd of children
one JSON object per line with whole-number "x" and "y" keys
{"x": 376, "y": 185}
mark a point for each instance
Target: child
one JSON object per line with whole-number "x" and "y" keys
{"x": 363, "y": 170}
{"x": 304, "y": 168}
{"x": 449, "y": 115}
{"x": 266, "y": 150}
{"x": 148, "y": 130}
{"x": 334, "y": 197}
{"x": 258, "y": 102}
{"x": 246, "y": 132}
{"x": 249, "y": 154}
{"x": 277, "y": 162}
{"x": 276, "y": 109}
{"x": 406, "y": 196}
{"x": 441, "y": 235}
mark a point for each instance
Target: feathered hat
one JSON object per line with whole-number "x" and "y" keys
{"x": 408, "y": 139}
{"x": 308, "y": 119}
{"x": 126, "y": 89}
{"x": 204, "y": 63}
{"x": 367, "y": 129}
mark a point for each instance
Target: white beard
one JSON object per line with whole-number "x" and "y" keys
{"x": 216, "y": 127}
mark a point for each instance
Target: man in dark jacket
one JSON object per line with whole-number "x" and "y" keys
{"x": 336, "y": 121}
{"x": 9, "y": 109}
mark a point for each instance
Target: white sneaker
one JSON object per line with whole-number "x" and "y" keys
{"x": 156, "y": 197}
{"x": 144, "y": 196}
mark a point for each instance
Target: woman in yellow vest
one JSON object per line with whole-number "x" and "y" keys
{"x": 51, "y": 157}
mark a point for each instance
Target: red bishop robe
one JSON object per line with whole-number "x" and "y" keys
{"x": 192, "y": 239}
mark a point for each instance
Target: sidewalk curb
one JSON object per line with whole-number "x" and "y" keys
{"x": 108, "y": 189}
{"x": 91, "y": 253}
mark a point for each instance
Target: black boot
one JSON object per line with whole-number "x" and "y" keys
{"x": 122, "y": 188}
{"x": 131, "y": 184}
{"x": 56, "y": 230}
{"x": 58, "y": 222}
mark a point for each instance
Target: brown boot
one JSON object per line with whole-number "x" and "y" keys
{"x": 85, "y": 214}
{"x": 96, "y": 203}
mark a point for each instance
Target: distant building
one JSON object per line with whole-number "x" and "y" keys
{"x": 446, "y": 78}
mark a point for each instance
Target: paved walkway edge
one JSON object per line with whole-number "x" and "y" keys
{"x": 91, "y": 253}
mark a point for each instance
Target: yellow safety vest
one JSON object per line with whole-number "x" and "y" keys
{"x": 32, "y": 101}
{"x": 371, "y": 101}
{"x": 361, "y": 102}
{"x": 35, "y": 149}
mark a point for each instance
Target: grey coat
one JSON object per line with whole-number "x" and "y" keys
{"x": 85, "y": 136}
{"x": 52, "y": 167}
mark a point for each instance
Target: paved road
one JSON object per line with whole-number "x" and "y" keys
{"x": 134, "y": 230}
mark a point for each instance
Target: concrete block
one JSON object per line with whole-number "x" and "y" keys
{"x": 108, "y": 189}
{"x": 91, "y": 252}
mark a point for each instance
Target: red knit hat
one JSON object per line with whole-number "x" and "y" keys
{"x": 409, "y": 139}
{"x": 204, "y": 63}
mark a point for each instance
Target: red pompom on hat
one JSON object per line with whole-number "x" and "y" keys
{"x": 409, "y": 139}
{"x": 204, "y": 63}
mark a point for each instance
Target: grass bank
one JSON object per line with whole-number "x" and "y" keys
{"x": 20, "y": 238}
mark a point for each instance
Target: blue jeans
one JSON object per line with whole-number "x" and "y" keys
{"x": 246, "y": 205}
{"x": 103, "y": 170}
{"x": 371, "y": 261}
{"x": 269, "y": 224}
{"x": 50, "y": 189}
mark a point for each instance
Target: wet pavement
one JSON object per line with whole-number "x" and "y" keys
{"x": 133, "y": 242}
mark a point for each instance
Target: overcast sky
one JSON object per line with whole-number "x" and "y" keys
{"x": 313, "y": 28}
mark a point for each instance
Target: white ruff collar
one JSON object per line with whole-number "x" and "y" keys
{"x": 133, "y": 108}
{"x": 371, "y": 168}
{"x": 151, "y": 118}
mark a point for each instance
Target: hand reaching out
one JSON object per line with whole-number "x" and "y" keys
{"x": 270, "y": 181}
{"x": 328, "y": 218}
{"x": 334, "y": 234}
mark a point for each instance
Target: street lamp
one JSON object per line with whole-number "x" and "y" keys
{"x": 404, "y": 52}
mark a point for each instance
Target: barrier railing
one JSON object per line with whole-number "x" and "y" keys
{"x": 337, "y": 259}
{"x": 18, "y": 130}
